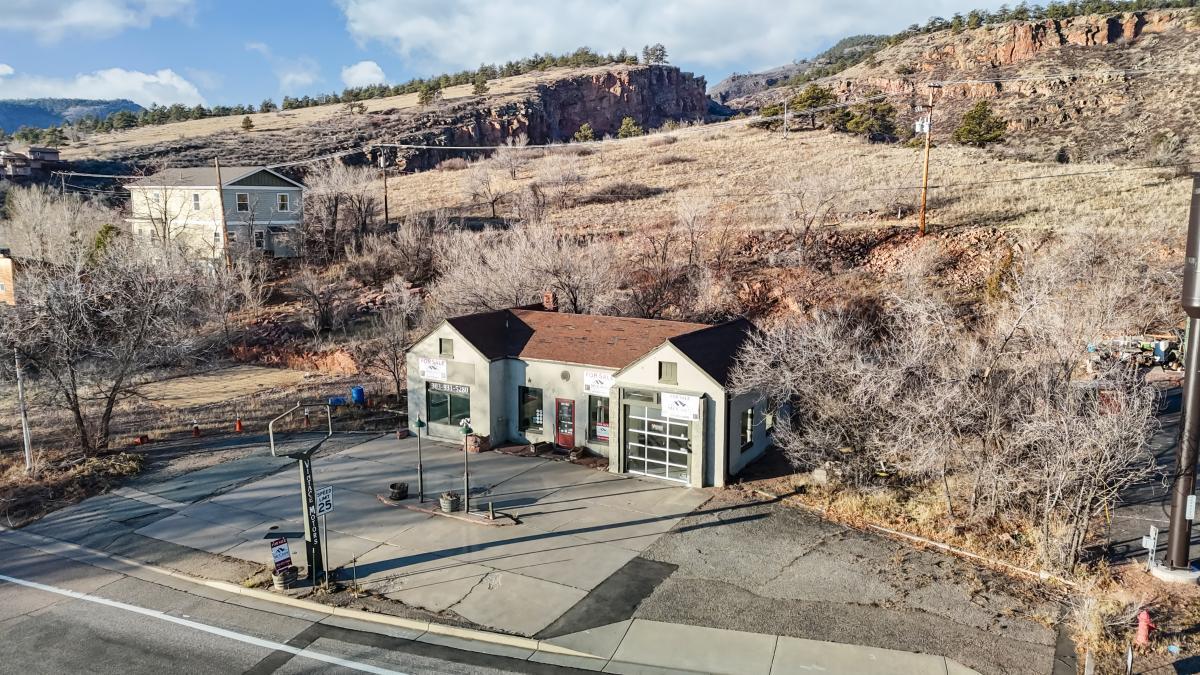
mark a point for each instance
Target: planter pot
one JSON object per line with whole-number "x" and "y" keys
{"x": 399, "y": 491}
{"x": 450, "y": 504}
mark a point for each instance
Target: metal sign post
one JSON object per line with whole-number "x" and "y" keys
{"x": 420, "y": 471}
{"x": 1150, "y": 543}
{"x": 466, "y": 431}
{"x": 312, "y": 528}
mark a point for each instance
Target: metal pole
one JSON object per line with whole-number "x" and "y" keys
{"x": 383, "y": 169}
{"x": 24, "y": 413}
{"x": 466, "y": 478}
{"x": 785, "y": 113}
{"x": 312, "y": 528}
{"x": 925, "y": 172}
{"x": 325, "y": 541}
{"x": 420, "y": 471}
{"x": 1179, "y": 537}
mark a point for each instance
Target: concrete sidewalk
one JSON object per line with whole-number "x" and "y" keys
{"x": 634, "y": 646}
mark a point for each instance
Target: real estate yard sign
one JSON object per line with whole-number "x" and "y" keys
{"x": 680, "y": 407}
{"x": 281, "y": 554}
{"x": 432, "y": 369}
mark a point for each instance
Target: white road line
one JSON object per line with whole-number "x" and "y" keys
{"x": 248, "y": 639}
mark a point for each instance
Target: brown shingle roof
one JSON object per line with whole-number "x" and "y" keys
{"x": 197, "y": 176}
{"x": 585, "y": 339}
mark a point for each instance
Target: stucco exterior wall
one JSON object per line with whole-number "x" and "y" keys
{"x": 549, "y": 377}
{"x": 740, "y": 456}
{"x": 7, "y": 278}
{"x": 466, "y": 367}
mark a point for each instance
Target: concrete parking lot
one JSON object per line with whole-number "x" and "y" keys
{"x": 577, "y": 527}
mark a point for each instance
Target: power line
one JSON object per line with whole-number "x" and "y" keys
{"x": 1080, "y": 73}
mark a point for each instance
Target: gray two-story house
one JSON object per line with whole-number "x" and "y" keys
{"x": 254, "y": 208}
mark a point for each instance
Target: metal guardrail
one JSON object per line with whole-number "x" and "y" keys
{"x": 328, "y": 418}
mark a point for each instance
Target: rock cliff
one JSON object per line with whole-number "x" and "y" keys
{"x": 552, "y": 109}
{"x": 1095, "y": 87}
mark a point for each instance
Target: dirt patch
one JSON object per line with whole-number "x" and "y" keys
{"x": 218, "y": 386}
{"x": 60, "y": 480}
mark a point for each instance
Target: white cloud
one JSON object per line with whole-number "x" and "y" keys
{"x": 711, "y": 35}
{"x": 6, "y": 69}
{"x": 162, "y": 86}
{"x": 293, "y": 73}
{"x": 52, "y": 20}
{"x": 362, "y": 74}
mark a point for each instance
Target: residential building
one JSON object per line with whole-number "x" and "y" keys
{"x": 14, "y": 165}
{"x": 653, "y": 396}
{"x": 258, "y": 208}
{"x": 42, "y": 158}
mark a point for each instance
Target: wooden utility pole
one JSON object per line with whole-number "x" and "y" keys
{"x": 221, "y": 208}
{"x": 925, "y": 172}
{"x": 785, "y": 112}
{"x": 383, "y": 169}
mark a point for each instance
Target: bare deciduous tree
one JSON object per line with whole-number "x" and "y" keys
{"x": 322, "y": 301}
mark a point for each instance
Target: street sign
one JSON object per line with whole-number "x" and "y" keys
{"x": 324, "y": 500}
{"x": 1191, "y": 508}
{"x": 281, "y": 554}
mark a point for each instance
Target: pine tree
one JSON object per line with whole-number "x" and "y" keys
{"x": 811, "y": 97}
{"x": 585, "y": 133}
{"x": 629, "y": 129}
{"x": 428, "y": 93}
{"x": 480, "y": 86}
{"x": 655, "y": 54}
{"x": 980, "y": 126}
{"x": 247, "y": 123}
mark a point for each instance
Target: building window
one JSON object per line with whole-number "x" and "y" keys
{"x": 531, "y": 412}
{"x": 195, "y": 201}
{"x": 446, "y": 347}
{"x": 216, "y": 237}
{"x": 447, "y": 403}
{"x": 598, "y": 428}
{"x": 232, "y": 236}
{"x": 747, "y": 427}
{"x": 3, "y": 287}
{"x": 769, "y": 416}
{"x": 283, "y": 203}
{"x": 260, "y": 240}
{"x": 243, "y": 202}
{"x": 668, "y": 372}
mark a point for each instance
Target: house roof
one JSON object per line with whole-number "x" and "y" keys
{"x": 715, "y": 348}
{"x": 200, "y": 176}
{"x": 586, "y": 339}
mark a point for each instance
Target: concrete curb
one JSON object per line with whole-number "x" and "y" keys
{"x": 39, "y": 542}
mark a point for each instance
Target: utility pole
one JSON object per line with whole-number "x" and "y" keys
{"x": 1179, "y": 538}
{"x": 221, "y": 208}
{"x": 383, "y": 169}
{"x": 925, "y": 172}
{"x": 24, "y": 414}
{"x": 785, "y": 113}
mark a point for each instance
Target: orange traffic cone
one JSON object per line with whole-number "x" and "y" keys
{"x": 195, "y": 430}
{"x": 238, "y": 425}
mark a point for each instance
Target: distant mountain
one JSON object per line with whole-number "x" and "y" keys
{"x": 847, "y": 52}
{"x": 46, "y": 112}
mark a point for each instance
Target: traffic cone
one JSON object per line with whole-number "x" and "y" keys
{"x": 237, "y": 427}
{"x": 195, "y": 429}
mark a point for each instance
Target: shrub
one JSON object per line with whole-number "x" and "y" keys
{"x": 980, "y": 126}
{"x": 452, "y": 164}
{"x": 619, "y": 192}
{"x": 247, "y": 123}
{"x": 585, "y": 133}
{"x": 629, "y": 129}
{"x": 661, "y": 140}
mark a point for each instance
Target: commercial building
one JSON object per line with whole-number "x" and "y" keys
{"x": 254, "y": 209}
{"x": 653, "y": 396}
{"x": 8, "y": 278}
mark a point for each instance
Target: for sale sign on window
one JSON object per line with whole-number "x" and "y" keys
{"x": 597, "y": 383}
{"x": 432, "y": 369}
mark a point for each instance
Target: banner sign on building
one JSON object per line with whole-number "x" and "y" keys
{"x": 597, "y": 383}
{"x": 680, "y": 406}
{"x": 432, "y": 369}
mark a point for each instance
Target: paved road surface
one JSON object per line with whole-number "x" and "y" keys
{"x": 63, "y": 616}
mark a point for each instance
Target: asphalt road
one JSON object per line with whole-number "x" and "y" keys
{"x": 59, "y": 615}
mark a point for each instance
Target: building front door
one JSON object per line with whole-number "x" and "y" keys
{"x": 564, "y": 421}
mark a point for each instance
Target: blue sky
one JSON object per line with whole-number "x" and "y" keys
{"x": 241, "y": 51}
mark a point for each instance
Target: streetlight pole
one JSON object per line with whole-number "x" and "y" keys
{"x": 466, "y": 431}
{"x": 24, "y": 413}
{"x": 420, "y": 471}
{"x": 1179, "y": 537}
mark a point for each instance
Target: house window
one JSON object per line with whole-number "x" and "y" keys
{"x": 769, "y": 416}
{"x": 531, "y": 413}
{"x": 283, "y": 203}
{"x": 598, "y": 428}
{"x": 747, "y": 427}
{"x": 447, "y": 403}
{"x": 216, "y": 237}
{"x": 260, "y": 240}
{"x": 232, "y": 236}
{"x": 243, "y": 202}
{"x": 3, "y": 287}
{"x": 446, "y": 347}
{"x": 668, "y": 372}
{"x": 195, "y": 201}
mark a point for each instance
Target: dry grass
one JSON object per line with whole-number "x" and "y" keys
{"x": 740, "y": 171}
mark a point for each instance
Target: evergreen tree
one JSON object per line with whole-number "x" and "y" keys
{"x": 629, "y": 129}
{"x": 428, "y": 93}
{"x": 247, "y": 123}
{"x": 655, "y": 54}
{"x": 267, "y": 106}
{"x": 980, "y": 126}
{"x": 479, "y": 86}
{"x": 585, "y": 133}
{"x": 872, "y": 120}
{"x": 811, "y": 97}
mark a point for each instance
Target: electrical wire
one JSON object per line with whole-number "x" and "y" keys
{"x": 1133, "y": 72}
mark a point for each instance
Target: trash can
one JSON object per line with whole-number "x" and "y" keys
{"x": 358, "y": 396}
